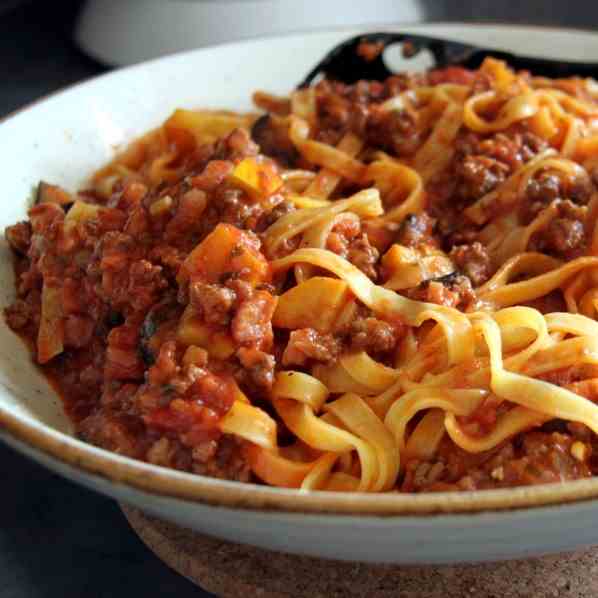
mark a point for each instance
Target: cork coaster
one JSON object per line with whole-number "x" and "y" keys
{"x": 235, "y": 571}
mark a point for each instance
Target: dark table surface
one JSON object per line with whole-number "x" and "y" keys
{"x": 58, "y": 540}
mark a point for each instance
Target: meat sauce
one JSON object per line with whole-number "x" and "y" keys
{"x": 132, "y": 387}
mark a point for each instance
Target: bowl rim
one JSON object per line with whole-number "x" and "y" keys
{"x": 169, "y": 483}
{"x": 110, "y": 71}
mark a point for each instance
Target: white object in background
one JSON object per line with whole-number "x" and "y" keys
{"x": 121, "y": 32}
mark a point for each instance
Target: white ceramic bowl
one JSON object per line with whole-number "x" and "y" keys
{"x": 63, "y": 139}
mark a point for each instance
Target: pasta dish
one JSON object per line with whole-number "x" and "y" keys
{"x": 385, "y": 286}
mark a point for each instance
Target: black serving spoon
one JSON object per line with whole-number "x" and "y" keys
{"x": 346, "y": 63}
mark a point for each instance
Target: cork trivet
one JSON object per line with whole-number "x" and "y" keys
{"x": 235, "y": 571}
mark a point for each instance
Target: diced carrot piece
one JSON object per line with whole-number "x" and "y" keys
{"x": 225, "y": 250}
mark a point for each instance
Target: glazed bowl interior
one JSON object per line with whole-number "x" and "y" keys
{"x": 66, "y": 137}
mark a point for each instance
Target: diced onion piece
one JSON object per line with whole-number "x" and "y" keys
{"x": 50, "y": 338}
{"x": 314, "y": 303}
{"x": 81, "y": 211}
{"x": 194, "y": 356}
{"x": 161, "y": 206}
{"x": 407, "y": 268}
{"x": 192, "y": 330}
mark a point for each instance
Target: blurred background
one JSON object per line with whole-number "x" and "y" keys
{"x": 57, "y": 539}
{"x": 41, "y": 41}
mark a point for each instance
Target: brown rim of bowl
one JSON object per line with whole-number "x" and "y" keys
{"x": 200, "y": 489}
{"x": 196, "y": 488}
